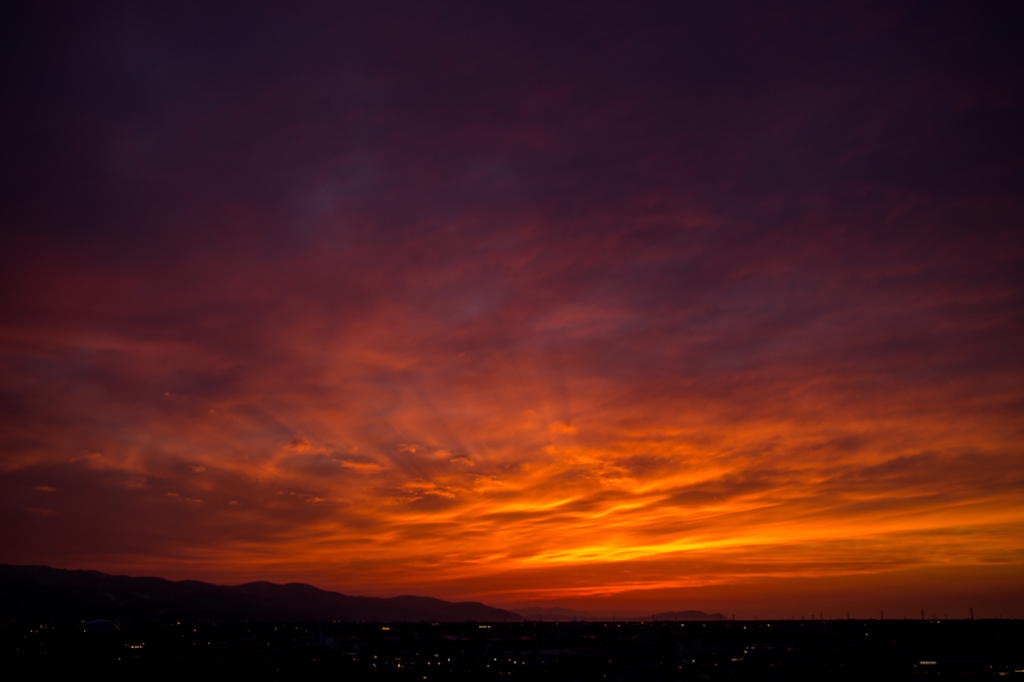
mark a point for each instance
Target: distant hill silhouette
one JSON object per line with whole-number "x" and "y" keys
{"x": 687, "y": 615}
{"x": 43, "y": 592}
{"x": 554, "y": 614}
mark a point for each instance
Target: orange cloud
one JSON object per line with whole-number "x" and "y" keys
{"x": 365, "y": 467}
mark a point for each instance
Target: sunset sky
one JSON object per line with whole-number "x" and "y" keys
{"x": 621, "y": 307}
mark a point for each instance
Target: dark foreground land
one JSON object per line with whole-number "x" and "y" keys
{"x": 782, "y": 650}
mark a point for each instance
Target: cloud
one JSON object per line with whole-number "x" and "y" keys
{"x": 419, "y": 488}
{"x": 672, "y": 299}
{"x": 362, "y": 466}
{"x": 45, "y": 513}
{"x": 564, "y": 428}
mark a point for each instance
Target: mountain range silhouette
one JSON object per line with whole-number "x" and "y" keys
{"x": 42, "y": 592}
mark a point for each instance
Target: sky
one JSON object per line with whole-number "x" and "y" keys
{"x": 623, "y": 307}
